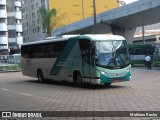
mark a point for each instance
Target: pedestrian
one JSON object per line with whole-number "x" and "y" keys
{"x": 148, "y": 62}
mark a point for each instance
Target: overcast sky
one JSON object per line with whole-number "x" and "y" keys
{"x": 129, "y": 1}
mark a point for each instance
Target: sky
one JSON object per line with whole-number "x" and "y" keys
{"x": 129, "y": 1}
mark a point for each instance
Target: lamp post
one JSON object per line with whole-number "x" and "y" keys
{"x": 94, "y": 14}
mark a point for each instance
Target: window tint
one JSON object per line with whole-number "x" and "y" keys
{"x": 148, "y": 50}
{"x": 141, "y": 51}
{"x": 25, "y": 51}
{"x": 85, "y": 49}
{"x": 45, "y": 50}
{"x": 2, "y": 6}
{"x": 136, "y": 51}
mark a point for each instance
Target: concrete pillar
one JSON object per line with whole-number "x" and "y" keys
{"x": 102, "y": 28}
{"x": 128, "y": 34}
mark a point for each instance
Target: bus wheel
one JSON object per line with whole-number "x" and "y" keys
{"x": 40, "y": 76}
{"x": 79, "y": 80}
{"x": 107, "y": 84}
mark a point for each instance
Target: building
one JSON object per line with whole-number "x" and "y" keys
{"x": 76, "y": 10}
{"x": 151, "y": 34}
{"x": 151, "y": 39}
{"x": 10, "y": 26}
{"x": 121, "y": 2}
{"x": 32, "y": 27}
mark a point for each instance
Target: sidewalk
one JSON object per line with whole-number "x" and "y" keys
{"x": 2, "y": 71}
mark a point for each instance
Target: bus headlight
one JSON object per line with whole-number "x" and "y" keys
{"x": 130, "y": 77}
{"x": 102, "y": 72}
{"x": 129, "y": 70}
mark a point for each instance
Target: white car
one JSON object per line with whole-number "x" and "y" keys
{"x": 15, "y": 58}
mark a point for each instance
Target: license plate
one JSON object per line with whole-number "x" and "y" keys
{"x": 116, "y": 81}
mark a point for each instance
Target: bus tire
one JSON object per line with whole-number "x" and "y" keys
{"x": 40, "y": 76}
{"x": 107, "y": 84}
{"x": 78, "y": 79}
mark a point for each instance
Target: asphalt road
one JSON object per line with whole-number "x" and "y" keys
{"x": 21, "y": 93}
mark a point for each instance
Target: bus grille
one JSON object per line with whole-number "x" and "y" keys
{"x": 116, "y": 79}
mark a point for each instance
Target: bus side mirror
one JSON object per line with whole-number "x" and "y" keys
{"x": 96, "y": 61}
{"x": 93, "y": 48}
{"x": 93, "y": 52}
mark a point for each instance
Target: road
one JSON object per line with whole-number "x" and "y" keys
{"x": 21, "y": 93}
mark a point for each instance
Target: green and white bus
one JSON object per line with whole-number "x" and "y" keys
{"x": 139, "y": 51}
{"x": 156, "y": 58}
{"x": 99, "y": 59}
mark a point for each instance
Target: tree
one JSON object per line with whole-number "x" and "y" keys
{"x": 49, "y": 19}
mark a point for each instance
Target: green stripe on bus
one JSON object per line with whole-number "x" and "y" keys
{"x": 63, "y": 55}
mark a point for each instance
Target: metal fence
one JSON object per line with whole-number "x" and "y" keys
{"x": 9, "y": 63}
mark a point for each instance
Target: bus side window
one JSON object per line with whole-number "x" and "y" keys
{"x": 138, "y": 51}
{"x": 24, "y": 52}
{"x": 32, "y": 51}
{"x": 59, "y": 46}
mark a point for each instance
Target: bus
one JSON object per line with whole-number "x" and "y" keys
{"x": 156, "y": 58}
{"x": 97, "y": 59}
{"x": 139, "y": 51}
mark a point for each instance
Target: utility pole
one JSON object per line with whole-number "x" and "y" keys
{"x": 143, "y": 36}
{"x": 94, "y": 14}
{"x": 82, "y": 9}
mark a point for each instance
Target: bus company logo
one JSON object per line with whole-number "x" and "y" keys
{"x": 6, "y": 114}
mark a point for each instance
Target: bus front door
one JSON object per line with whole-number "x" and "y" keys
{"x": 85, "y": 50}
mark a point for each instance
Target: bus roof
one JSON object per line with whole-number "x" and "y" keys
{"x": 140, "y": 45}
{"x": 92, "y": 37}
{"x": 101, "y": 37}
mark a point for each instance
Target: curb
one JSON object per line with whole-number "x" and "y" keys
{"x": 3, "y": 71}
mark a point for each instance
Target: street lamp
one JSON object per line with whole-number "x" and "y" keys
{"x": 94, "y": 14}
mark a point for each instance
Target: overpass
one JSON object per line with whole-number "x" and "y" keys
{"x": 121, "y": 21}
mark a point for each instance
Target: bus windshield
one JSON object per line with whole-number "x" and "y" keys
{"x": 112, "y": 54}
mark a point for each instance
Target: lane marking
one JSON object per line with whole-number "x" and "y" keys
{"x": 46, "y": 99}
{"x": 157, "y": 77}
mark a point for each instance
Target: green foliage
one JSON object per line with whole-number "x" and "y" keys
{"x": 49, "y": 19}
{"x": 11, "y": 67}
